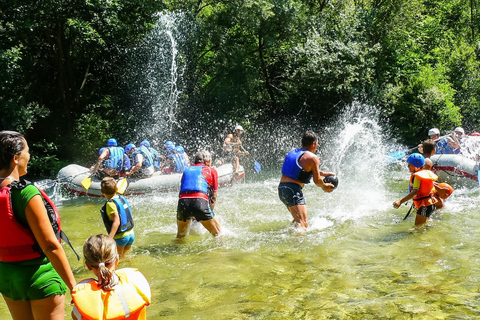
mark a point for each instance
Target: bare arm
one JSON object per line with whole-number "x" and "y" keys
{"x": 39, "y": 223}
{"x": 102, "y": 157}
{"x": 115, "y": 225}
{"x": 311, "y": 163}
{"x": 409, "y": 196}
{"x": 213, "y": 200}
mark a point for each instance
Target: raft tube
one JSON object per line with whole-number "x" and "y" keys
{"x": 71, "y": 176}
{"x": 456, "y": 170}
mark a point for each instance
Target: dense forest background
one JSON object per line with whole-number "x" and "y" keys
{"x": 75, "y": 73}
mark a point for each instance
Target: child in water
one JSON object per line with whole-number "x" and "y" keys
{"x": 117, "y": 216}
{"x": 117, "y": 294}
{"x": 422, "y": 189}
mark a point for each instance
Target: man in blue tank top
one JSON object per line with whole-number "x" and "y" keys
{"x": 299, "y": 167}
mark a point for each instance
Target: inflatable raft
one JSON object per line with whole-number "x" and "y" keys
{"x": 71, "y": 176}
{"x": 456, "y": 170}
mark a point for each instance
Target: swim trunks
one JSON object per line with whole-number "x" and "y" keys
{"x": 30, "y": 280}
{"x": 291, "y": 194}
{"x": 125, "y": 241}
{"x": 426, "y": 211}
{"x": 194, "y": 207}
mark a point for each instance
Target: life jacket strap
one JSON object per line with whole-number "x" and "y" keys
{"x": 64, "y": 237}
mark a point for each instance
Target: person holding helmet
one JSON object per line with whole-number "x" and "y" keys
{"x": 232, "y": 148}
{"x": 112, "y": 160}
{"x": 299, "y": 167}
{"x": 155, "y": 154}
{"x": 422, "y": 189}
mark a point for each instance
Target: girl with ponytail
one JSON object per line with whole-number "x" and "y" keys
{"x": 115, "y": 294}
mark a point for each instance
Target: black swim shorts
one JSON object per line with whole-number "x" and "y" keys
{"x": 291, "y": 194}
{"x": 195, "y": 207}
{"x": 426, "y": 211}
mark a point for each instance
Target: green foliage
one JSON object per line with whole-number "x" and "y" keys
{"x": 44, "y": 161}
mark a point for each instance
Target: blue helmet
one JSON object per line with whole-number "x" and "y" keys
{"x": 129, "y": 147}
{"x": 111, "y": 142}
{"x": 179, "y": 149}
{"x": 416, "y": 159}
{"x": 145, "y": 143}
{"x": 101, "y": 150}
{"x": 170, "y": 146}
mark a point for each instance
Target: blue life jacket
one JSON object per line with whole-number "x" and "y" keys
{"x": 147, "y": 156}
{"x": 156, "y": 158}
{"x": 115, "y": 159}
{"x": 292, "y": 169}
{"x": 124, "y": 213}
{"x": 179, "y": 161}
{"x": 194, "y": 181}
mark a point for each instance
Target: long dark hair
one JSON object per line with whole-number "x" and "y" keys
{"x": 11, "y": 144}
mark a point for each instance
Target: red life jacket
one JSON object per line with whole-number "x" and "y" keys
{"x": 17, "y": 242}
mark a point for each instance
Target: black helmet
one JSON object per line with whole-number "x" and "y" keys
{"x": 331, "y": 179}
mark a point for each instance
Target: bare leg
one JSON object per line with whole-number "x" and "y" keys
{"x": 213, "y": 226}
{"x": 419, "y": 220}
{"x": 182, "y": 228}
{"x": 127, "y": 247}
{"x": 44, "y": 309}
{"x": 120, "y": 250}
{"x": 236, "y": 165}
{"x": 19, "y": 309}
{"x": 299, "y": 214}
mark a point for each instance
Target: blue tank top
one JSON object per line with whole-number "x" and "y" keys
{"x": 147, "y": 156}
{"x": 124, "y": 212}
{"x": 194, "y": 181}
{"x": 115, "y": 159}
{"x": 292, "y": 169}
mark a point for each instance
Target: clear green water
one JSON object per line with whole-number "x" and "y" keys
{"x": 357, "y": 261}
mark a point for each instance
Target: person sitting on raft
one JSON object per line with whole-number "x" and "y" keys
{"x": 112, "y": 161}
{"x": 154, "y": 153}
{"x": 174, "y": 161}
{"x": 115, "y": 294}
{"x": 421, "y": 188}
{"x": 444, "y": 145}
{"x": 142, "y": 161}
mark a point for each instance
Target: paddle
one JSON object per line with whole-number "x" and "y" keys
{"x": 256, "y": 165}
{"x": 122, "y": 185}
{"x": 87, "y": 182}
{"x": 399, "y": 154}
{"x": 48, "y": 183}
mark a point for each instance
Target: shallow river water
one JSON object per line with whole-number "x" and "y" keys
{"x": 358, "y": 259}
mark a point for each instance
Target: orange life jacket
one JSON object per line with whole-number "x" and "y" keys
{"x": 426, "y": 190}
{"x": 127, "y": 300}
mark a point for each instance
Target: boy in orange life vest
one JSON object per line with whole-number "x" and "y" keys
{"x": 422, "y": 189}
{"x": 117, "y": 294}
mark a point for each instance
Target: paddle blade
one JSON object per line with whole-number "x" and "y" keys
{"x": 122, "y": 185}
{"x": 396, "y": 155}
{"x": 87, "y": 182}
{"x": 257, "y": 166}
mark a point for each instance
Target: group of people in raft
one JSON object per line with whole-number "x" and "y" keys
{"x": 35, "y": 271}
{"x": 143, "y": 161}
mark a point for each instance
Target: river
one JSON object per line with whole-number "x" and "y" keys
{"x": 357, "y": 261}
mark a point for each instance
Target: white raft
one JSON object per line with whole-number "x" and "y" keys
{"x": 456, "y": 170}
{"x": 71, "y": 176}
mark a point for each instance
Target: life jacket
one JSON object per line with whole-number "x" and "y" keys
{"x": 155, "y": 157}
{"x": 115, "y": 159}
{"x": 444, "y": 194}
{"x": 124, "y": 213}
{"x": 426, "y": 191}
{"x": 127, "y": 299}
{"x": 292, "y": 169}
{"x": 180, "y": 162}
{"x": 17, "y": 242}
{"x": 147, "y": 156}
{"x": 194, "y": 181}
